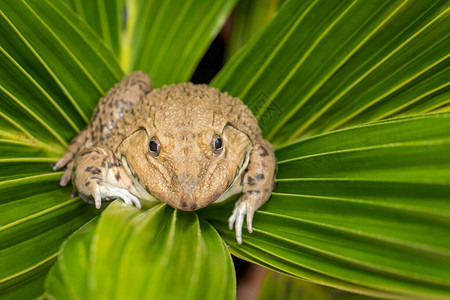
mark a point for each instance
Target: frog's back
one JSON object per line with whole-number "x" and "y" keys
{"x": 195, "y": 107}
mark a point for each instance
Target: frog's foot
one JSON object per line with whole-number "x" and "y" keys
{"x": 242, "y": 208}
{"x": 66, "y": 161}
{"x": 108, "y": 192}
{"x": 65, "y": 178}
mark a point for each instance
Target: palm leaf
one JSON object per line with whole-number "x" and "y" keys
{"x": 132, "y": 254}
{"x": 248, "y": 18}
{"x": 363, "y": 209}
{"x": 322, "y": 65}
{"x": 105, "y": 17}
{"x": 54, "y": 69}
{"x": 166, "y": 39}
{"x": 278, "y": 286}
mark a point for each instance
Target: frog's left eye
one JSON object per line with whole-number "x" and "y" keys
{"x": 217, "y": 144}
{"x": 154, "y": 147}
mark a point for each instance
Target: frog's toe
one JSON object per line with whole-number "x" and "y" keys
{"x": 59, "y": 164}
{"x": 98, "y": 191}
{"x": 241, "y": 209}
{"x": 232, "y": 219}
{"x": 129, "y": 198}
{"x": 67, "y": 176}
{"x": 250, "y": 213}
{"x": 97, "y": 195}
{"x": 65, "y": 160}
{"x": 113, "y": 192}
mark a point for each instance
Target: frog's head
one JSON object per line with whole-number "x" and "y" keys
{"x": 186, "y": 152}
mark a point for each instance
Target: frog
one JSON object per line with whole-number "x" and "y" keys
{"x": 188, "y": 145}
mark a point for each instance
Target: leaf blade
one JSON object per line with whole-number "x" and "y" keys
{"x": 167, "y": 39}
{"x": 334, "y": 57}
{"x": 161, "y": 244}
{"x": 44, "y": 103}
{"x": 361, "y": 222}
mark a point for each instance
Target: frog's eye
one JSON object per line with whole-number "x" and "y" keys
{"x": 217, "y": 144}
{"x": 154, "y": 147}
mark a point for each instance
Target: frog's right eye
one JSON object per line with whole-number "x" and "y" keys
{"x": 154, "y": 147}
{"x": 217, "y": 144}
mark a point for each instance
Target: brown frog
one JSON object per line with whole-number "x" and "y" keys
{"x": 187, "y": 145}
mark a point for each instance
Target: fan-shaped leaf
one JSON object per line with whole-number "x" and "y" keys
{"x": 363, "y": 209}
{"x": 105, "y": 17}
{"x": 321, "y": 65}
{"x": 168, "y": 38}
{"x": 248, "y": 18}
{"x": 144, "y": 255}
{"x": 278, "y": 286}
{"x": 53, "y": 72}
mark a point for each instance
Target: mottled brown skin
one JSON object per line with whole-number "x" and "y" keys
{"x": 114, "y": 158}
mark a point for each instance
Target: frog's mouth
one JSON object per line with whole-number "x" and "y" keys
{"x": 235, "y": 187}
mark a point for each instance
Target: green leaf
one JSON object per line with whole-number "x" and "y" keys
{"x": 278, "y": 286}
{"x": 143, "y": 255}
{"x": 362, "y": 209}
{"x": 52, "y": 65}
{"x": 104, "y": 17}
{"x": 248, "y": 18}
{"x": 322, "y": 65}
{"x": 168, "y": 38}
{"x": 53, "y": 71}
{"x": 30, "y": 290}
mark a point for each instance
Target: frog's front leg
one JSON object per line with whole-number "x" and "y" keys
{"x": 110, "y": 110}
{"x": 99, "y": 176}
{"x": 257, "y": 185}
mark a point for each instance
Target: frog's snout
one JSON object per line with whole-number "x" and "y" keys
{"x": 188, "y": 183}
{"x": 188, "y": 202}
{"x": 189, "y": 192}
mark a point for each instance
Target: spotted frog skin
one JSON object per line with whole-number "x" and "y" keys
{"x": 187, "y": 145}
